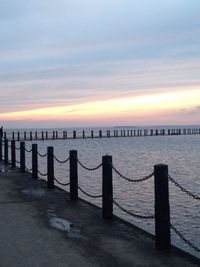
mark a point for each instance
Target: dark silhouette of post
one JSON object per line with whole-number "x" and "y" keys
{"x": 50, "y": 167}
{"x": 34, "y": 161}
{"x": 13, "y": 136}
{"x": 22, "y": 156}
{"x": 100, "y": 134}
{"x": 1, "y": 143}
{"x": 73, "y": 175}
{"x": 24, "y": 135}
{"x": 18, "y": 136}
{"x": 42, "y": 135}
{"x": 6, "y": 151}
{"x": 13, "y": 154}
{"x": 74, "y": 134}
{"x": 92, "y": 134}
{"x": 107, "y": 188}
{"x": 1, "y": 132}
{"x": 31, "y": 136}
{"x": 162, "y": 210}
{"x": 83, "y": 134}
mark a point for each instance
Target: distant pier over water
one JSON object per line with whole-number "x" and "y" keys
{"x": 85, "y": 134}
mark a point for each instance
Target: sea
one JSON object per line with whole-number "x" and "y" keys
{"x": 134, "y": 158}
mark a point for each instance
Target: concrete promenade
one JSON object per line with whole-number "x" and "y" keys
{"x": 40, "y": 227}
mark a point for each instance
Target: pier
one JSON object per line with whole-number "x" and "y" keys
{"x": 41, "y": 226}
{"x": 74, "y": 134}
{"x": 16, "y": 167}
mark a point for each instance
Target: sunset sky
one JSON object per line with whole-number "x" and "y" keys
{"x": 82, "y": 63}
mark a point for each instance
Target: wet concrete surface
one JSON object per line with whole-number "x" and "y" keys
{"x": 41, "y": 227}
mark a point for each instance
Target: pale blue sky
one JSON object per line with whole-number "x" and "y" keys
{"x": 67, "y": 52}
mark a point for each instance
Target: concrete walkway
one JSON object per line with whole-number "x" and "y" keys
{"x": 40, "y": 227}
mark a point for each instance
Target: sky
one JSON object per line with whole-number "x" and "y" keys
{"x": 90, "y": 63}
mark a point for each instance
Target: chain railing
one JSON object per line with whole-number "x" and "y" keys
{"x": 148, "y": 217}
{"x": 42, "y": 174}
{"x": 89, "y": 168}
{"x": 28, "y": 150}
{"x": 61, "y": 161}
{"x": 41, "y": 155}
{"x": 182, "y": 237}
{"x": 27, "y": 169}
{"x": 159, "y": 174}
{"x": 89, "y": 195}
{"x": 183, "y": 189}
{"x": 145, "y": 178}
{"x": 60, "y": 183}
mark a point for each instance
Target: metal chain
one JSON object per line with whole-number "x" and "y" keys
{"x": 29, "y": 170}
{"x": 28, "y": 150}
{"x": 197, "y": 249}
{"x": 42, "y": 155}
{"x": 98, "y": 196}
{"x": 17, "y": 161}
{"x": 148, "y": 217}
{"x": 87, "y": 168}
{"x": 64, "y": 184}
{"x": 184, "y": 189}
{"x": 42, "y": 174}
{"x": 17, "y": 148}
{"x": 133, "y": 180}
{"x": 60, "y": 161}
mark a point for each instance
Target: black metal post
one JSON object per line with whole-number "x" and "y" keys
{"x": 31, "y": 136}
{"x": 50, "y": 167}
{"x": 34, "y": 161}
{"x": 22, "y": 156}
{"x": 6, "y": 151}
{"x": 13, "y": 154}
{"x": 162, "y": 209}
{"x": 73, "y": 175}
{"x": 107, "y": 205}
{"x": 1, "y": 143}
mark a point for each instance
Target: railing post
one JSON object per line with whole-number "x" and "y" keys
{"x": 50, "y": 167}
{"x": 31, "y": 136}
{"x": 22, "y": 156}
{"x": 18, "y": 136}
{"x": 162, "y": 209}
{"x": 100, "y": 134}
{"x": 34, "y": 161}
{"x": 73, "y": 175}
{"x": 1, "y": 149}
{"x": 107, "y": 205}
{"x": 13, "y": 154}
{"x": 6, "y": 151}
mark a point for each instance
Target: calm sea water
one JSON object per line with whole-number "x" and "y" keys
{"x": 135, "y": 157}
